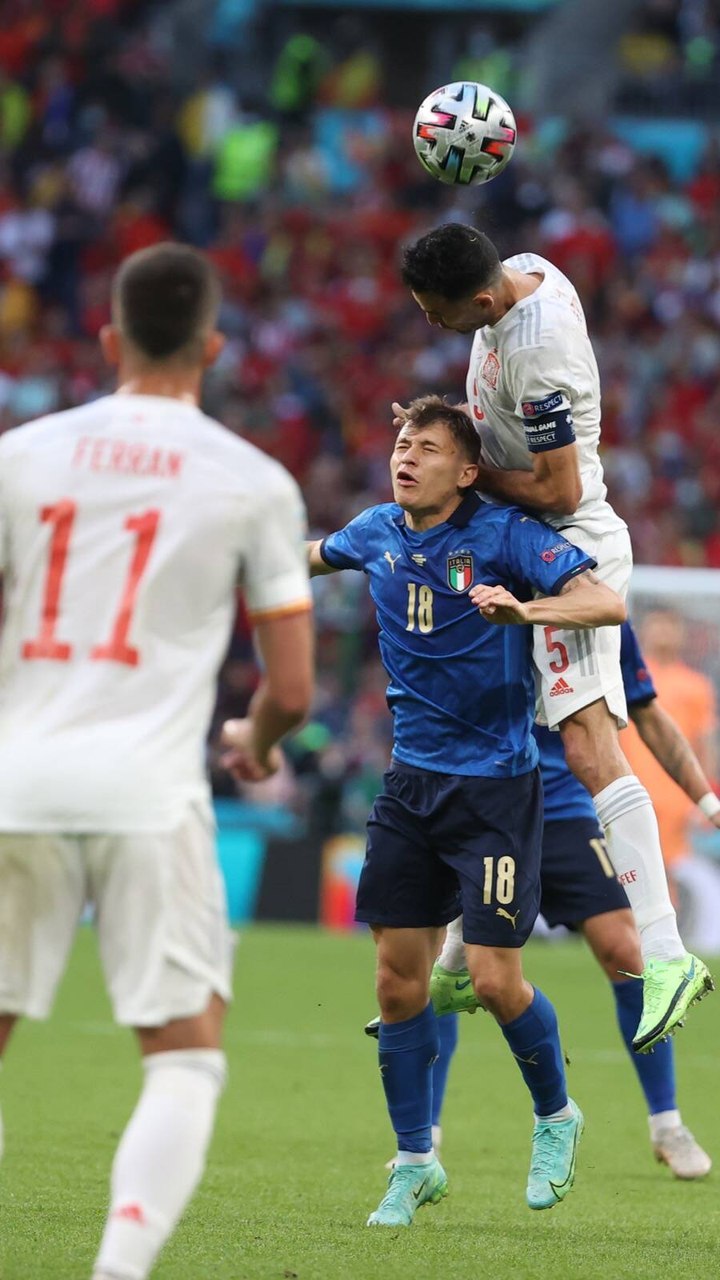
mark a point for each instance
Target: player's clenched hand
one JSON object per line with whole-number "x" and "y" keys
{"x": 497, "y": 604}
{"x": 239, "y": 758}
{"x": 399, "y": 415}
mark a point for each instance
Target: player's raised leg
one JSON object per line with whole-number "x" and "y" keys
{"x": 528, "y": 1022}
{"x": 673, "y": 979}
{"x": 407, "y": 1049}
{"x": 614, "y": 942}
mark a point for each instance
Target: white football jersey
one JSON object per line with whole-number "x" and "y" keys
{"x": 125, "y": 527}
{"x": 537, "y": 363}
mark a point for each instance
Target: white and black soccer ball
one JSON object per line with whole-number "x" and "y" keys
{"x": 464, "y": 133}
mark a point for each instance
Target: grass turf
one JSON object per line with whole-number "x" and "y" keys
{"x": 296, "y": 1162}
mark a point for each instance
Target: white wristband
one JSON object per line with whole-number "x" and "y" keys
{"x": 709, "y": 804}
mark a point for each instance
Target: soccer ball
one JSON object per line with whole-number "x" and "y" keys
{"x": 464, "y": 133}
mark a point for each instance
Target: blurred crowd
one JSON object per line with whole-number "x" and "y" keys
{"x": 302, "y": 195}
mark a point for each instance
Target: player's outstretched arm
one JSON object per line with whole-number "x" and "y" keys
{"x": 316, "y": 564}
{"x": 553, "y": 485}
{"x": 584, "y": 601}
{"x": 281, "y": 701}
{"x": 667, "y": 742}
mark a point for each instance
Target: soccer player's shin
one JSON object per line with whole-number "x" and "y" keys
{"x": 672, "y": 978}
{"x": 160, "y": 1159}
{"x": 535, "y": 1044}
{"x": 655, "y": 1071}
{"x": 627, "y": 815}
{"x": 406, "y": 1054}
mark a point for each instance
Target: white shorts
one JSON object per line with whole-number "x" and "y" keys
{"x": 575, "y": 668}
{"x": 160, "y": 911}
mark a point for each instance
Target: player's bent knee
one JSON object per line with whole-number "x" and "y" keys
{"x": 494, "y": 992}
{"x": 398, "y": 996}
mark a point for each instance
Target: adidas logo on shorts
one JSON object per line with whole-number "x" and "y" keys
{"x": 561, "y": 686}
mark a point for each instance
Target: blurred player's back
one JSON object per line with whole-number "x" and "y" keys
{"x": 125, "y": 524}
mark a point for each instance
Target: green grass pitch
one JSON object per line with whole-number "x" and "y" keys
{"x": 297, "y": 1159}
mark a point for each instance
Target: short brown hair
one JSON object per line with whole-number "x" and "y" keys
{"x": 426, "y": 410}
{"x": 165, "y": 300}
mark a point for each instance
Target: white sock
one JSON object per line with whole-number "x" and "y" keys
{"x": 413, "y": 1157}
{"x": 626, "y": 812}
{"x": 663, "y": 1120}
{"x": 452, "y": 956}
{"x": 565, "y": 1113}
{"x": 160, "y": 1159}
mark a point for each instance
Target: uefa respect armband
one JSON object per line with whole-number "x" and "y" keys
{"x": 548, "y": 424}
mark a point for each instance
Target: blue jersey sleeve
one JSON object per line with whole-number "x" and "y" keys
{"x": 347, "y": 549}
{"x": 540, "y": 556}
{"x": 639, "y": 687}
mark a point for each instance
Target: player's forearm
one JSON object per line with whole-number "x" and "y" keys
{"x": 526, "y": 489}
{"x": 587, "y": 605}
{"x": 663, "y": 737}
{"x": 316, "y": 564}
{"x": 273, "y": 717}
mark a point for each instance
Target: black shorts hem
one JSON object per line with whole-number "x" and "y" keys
{"x": 511, "y": 944}
{"x": 575, "y": 920}
{"x": 377, "y": 918}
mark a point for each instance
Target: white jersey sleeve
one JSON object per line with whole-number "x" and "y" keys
{"x": 274, "y": 571}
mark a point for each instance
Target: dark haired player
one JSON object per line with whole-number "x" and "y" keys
{"x": 533, "y": 393}
{"x": 125, "y": 527}
{"x": 461, "y": 805}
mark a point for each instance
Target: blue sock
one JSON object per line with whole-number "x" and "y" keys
{"x": 535, "y": 1044}
{"x": 656, "y": 1070}
{"x": 407, "y": 1051}
{"x": 448, "y": 1038}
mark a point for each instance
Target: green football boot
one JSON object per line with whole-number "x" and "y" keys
{"x": 552, "y": 1164}
{"x": 451, "y": 991}
{"x": 409, "y": 1187}
{"x": 669, "y": 988}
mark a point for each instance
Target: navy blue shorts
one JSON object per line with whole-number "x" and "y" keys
{"x": 577, "y": 877}
{"x": 439, "y": 844}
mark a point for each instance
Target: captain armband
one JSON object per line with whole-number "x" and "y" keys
{"x": 552, "y": 431}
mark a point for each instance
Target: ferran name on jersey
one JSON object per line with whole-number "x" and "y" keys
{"x": 460, "y": 572}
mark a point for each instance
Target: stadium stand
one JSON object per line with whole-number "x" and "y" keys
{"x": 301, "y": 194}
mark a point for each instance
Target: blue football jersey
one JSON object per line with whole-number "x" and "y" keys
{"x": 565, "y": 797}
{"x": 637, "y": 680}
{"x": 462, "y": 690}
